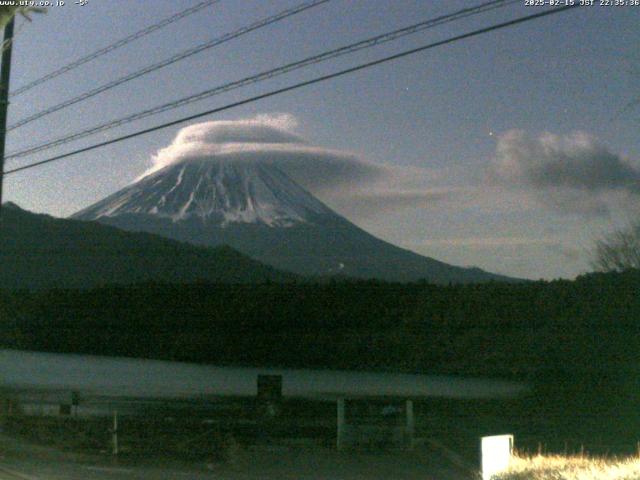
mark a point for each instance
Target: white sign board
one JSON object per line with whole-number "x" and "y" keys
{"x": 496, "y": 453}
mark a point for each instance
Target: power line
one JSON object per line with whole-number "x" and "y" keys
{"x": 351, "y": 48}
{"x": 299, "y": 85}
{"x": 114, "y": 46}
{"x": 371, "y": 42}
{"x": 173, "y": 59}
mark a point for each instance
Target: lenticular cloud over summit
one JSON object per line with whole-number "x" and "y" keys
{"x": 268, "y": 139}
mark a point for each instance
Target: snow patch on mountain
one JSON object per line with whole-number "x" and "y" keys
{"x": 216, "y": 190}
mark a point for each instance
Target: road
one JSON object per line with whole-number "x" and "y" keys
{"x": 21, "y": 461}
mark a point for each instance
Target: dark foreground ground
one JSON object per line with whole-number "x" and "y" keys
{"x": 22, "y": 460}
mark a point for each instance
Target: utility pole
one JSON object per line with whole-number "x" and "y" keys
{"x": 5, "y": 73}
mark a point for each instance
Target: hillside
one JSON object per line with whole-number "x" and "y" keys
{"x": 529, "y": 330}
{"x": 39, "y": 252}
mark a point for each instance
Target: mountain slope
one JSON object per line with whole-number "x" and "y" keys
{"x": 39, "y": 251}
{"x": 216, "y": 193}
{"x": 256, "y": 208}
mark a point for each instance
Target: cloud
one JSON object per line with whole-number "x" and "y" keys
{"x": 342, "y": 178}
{"x": 257, "y": 130}
{"x": 489, "y": 242}
{"x": 268, "y": 138}
{"x": 381, "y": 201}
{"x": 571, "y": 173}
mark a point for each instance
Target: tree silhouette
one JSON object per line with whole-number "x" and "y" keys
{"x": 618, "y": 251}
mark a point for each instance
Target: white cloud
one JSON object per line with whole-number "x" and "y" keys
{"x": 267, "y": 138}
{"x": 342, "y": 179}
{"x": 571, "y": 174}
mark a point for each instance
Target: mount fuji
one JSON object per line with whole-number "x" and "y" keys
{"x": 254, "y": 207}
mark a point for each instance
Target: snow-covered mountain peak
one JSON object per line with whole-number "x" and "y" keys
{"x": 216, "y": 190}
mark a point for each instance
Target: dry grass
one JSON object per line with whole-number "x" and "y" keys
{"x": 571, "y": 468}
